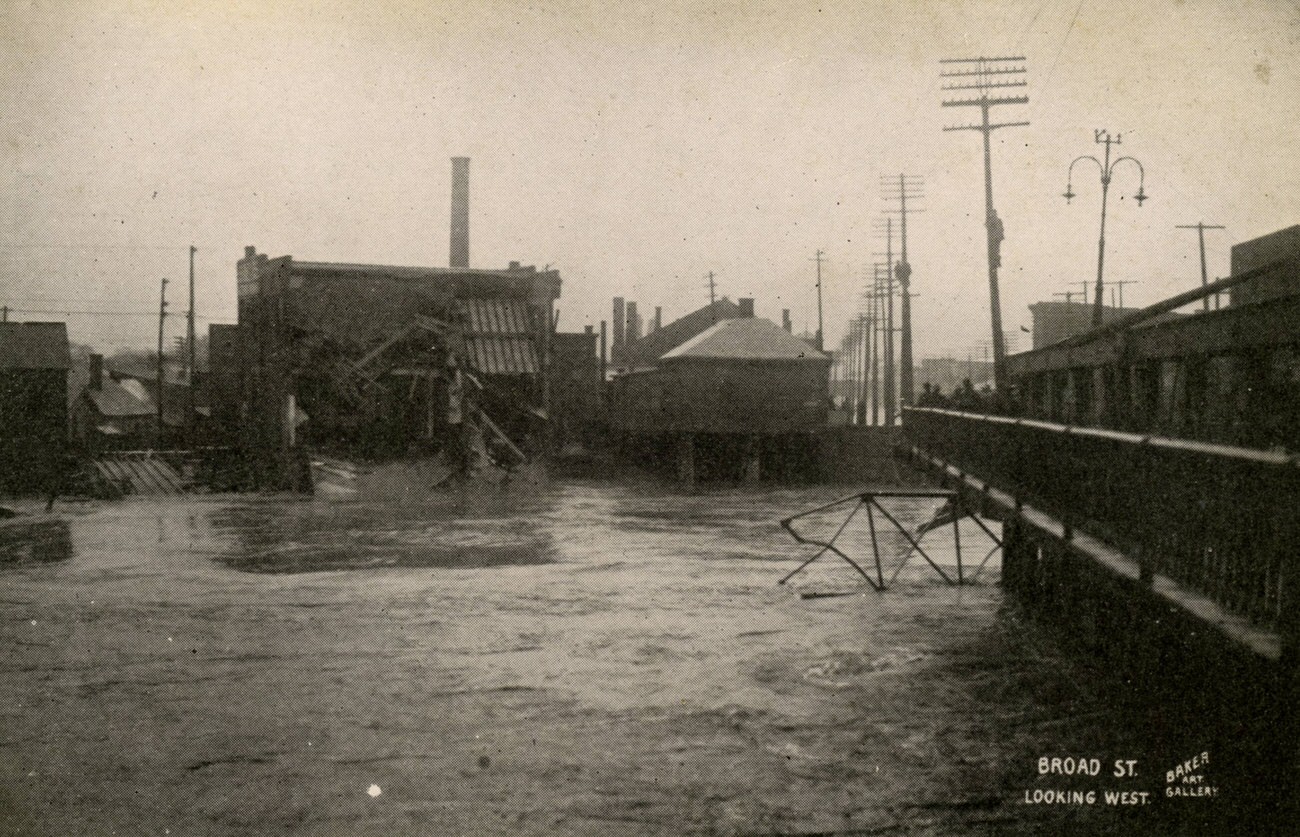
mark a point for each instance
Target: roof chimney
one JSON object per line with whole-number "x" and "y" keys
{"x": 620, "y": 320}
{"x": 785, "y": 320}
{"x": 96, "y": 372}
{"x": 633, "y": 332}
{"x": 460, "y": 212}
{"x": 746, "y": 306}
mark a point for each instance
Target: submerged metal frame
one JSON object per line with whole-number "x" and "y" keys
{"x": 870, "y": 500}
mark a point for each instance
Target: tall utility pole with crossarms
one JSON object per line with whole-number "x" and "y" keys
{"x": 983, "y": 76}
{"x": 1200, "y": 228}
{"x": 907, "y": 186}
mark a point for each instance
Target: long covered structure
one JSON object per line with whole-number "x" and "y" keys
{"x": 1229, "y": 375}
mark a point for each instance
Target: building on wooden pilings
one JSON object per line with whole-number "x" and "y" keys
{"x": 739, "y": 397}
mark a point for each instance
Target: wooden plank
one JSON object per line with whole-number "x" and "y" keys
{"x": 499, "y": 433}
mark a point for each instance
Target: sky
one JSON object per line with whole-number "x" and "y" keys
{"x": 633, "y": 147}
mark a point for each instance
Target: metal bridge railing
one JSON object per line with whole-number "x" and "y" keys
{"x": 1220, "y": 520}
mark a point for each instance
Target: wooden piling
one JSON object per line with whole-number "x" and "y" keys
{"x": 685, "y": 446}
{"x": 752, "y": 467}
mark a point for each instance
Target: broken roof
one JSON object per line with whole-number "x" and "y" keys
{"x": 498, "y": 337}
{"x": 34, "y": 346}
{"x": 747, "y": 338}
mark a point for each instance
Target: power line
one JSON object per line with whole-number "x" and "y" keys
{"x": 69, "y": 313}
{"x": 34, "y": 246}
{"x": 1048, "y": 78}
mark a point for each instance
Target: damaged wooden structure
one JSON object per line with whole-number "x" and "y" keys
{"x": 351, "y": 360}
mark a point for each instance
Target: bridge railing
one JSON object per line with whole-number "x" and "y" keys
{"x": 1222, "y": 521}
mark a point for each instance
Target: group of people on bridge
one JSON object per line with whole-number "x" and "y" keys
{"x": 964, "y": 397}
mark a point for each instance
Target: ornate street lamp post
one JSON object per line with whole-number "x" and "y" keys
{"x": 1107, "y": 167}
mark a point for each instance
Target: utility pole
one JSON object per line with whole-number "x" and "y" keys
{"x": 876, "y": 301}
{"x": 989, "y": 74}
{"x": 891, "y": 404}
{"x": 1120, "y": 284}
{"x": 1200, "y": 228}
{"x": 909, "y": 186}
{"x": 712, "y": 289}
{"x": 866, "y": 368}
{"x": 189, "y": 339}
{"x": 1070, "y": 295}
{"x": 851, "y": 376}
{"x": 819, "y": 257}
{"x": 162, "y": 315}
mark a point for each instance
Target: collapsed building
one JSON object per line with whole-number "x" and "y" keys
{"x": 352, "y": 359}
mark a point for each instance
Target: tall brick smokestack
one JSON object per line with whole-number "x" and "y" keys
{"x": 460, "y": 212}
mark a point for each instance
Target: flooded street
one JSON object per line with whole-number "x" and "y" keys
{"x": 585, "y": 659}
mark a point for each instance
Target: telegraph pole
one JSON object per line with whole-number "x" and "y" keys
{"x": 1200, "y": 228}
{"x": 162, "y": 315}
{"x": 712, "y": 289}
{"x": 989, "y": 74}
{"x": 819, "y": 257}
{"x": 891, "y": 404}
{"x": 189, "y": 339}
{"x": 865, "y": 361}
{"x": 909, "y": 186}
{"x": 876, "y": 301}
{"x": 851, "y": 360}
{"x": 1120, "y": 284}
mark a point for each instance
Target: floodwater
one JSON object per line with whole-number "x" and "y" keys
{"x": 578, "y": 658}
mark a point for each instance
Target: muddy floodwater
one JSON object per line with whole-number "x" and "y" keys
{"x": 580, "y": 658}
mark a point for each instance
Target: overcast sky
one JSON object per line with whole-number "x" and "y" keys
{"x": 634, "y": 147}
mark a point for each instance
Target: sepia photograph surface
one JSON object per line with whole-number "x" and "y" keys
{"x": 674, "y": 418}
